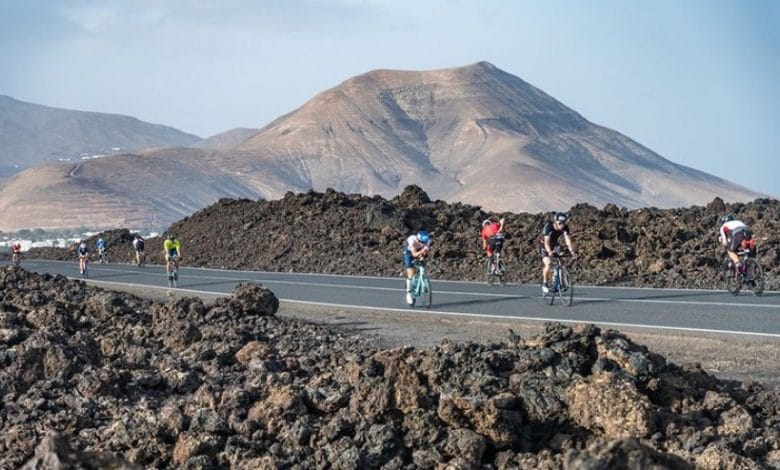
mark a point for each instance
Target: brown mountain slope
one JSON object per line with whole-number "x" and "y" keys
{"x": 31, "y": 134}
{"x": 144, "y": 190}
{"x": 474, "y": 134}
{"x": 226, "y": 140}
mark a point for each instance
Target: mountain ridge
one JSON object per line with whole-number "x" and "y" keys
{"x": 475, "y": 134}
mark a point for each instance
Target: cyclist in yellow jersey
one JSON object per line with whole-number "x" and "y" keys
{"x": 172, "y": 248}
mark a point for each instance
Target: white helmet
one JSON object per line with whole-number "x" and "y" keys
{"x": 485, "y": 222}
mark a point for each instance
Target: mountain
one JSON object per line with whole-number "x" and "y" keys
{"x": 474, "y": 134}
{"x": 226, "y": 140}
{"x": 31, "y": 134}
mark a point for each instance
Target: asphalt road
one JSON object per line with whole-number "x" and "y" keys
{"x": 673, "y": 309}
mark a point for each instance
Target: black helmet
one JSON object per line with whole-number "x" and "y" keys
{"x": 561, "y": 217}
{"x": 726, "y": 218}
{"x": 171, "y": 237}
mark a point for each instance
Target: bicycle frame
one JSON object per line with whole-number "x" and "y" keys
{"x": 421, "y": 284}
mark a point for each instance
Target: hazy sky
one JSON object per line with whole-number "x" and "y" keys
{"x": 694, "y": 80}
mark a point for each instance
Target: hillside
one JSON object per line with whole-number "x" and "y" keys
{"x": 474, "y": 134}
{"x": 32, "y": 134}
{"x": 99, "y": 379}
{"x": 133, "y": 190}
{"x": 340, "y": 233}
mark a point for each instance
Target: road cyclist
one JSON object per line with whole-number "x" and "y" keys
{"x": 550, "y": 240}
{"x": 16, "y": 253}
{"x": 138, "y": 246}
{"x": 101, "y": 249}
{"x": 741, "y": 267}
{"x": 172, "y": 249}
{"x": 416, "y": 248}
{"x": 83, "y": 253}
{"x": 492, "y": 235}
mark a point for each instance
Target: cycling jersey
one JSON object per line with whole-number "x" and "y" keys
{"x": 82, "y": 251}
{"x": 550, "y": 231}
{"x": 732, "y": 233}
{"x": 172, "y": 248}
{"x": 16, "y": 247}
{"x": 101, "y": 244}
{"x": 491, "y": 233}
{"x": 412, "y": 243}
{"x": 138, "y": 244}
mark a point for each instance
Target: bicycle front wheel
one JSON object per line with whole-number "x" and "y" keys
{"x": 755, "y": 276}
{"x": 489, "y": 271}
{"x": 732, "y": 283}
{"x": 427, "y": 293}
{"x": 566, "y": 288}
{"x": 550, "y": 296}
{"x": 501, "y": 273}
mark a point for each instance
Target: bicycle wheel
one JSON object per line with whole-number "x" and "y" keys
{"x": 489, "y": 271}
{"x": 566, "y": 290}
{"x": 550, "y": 296}
{"x": 733, "y": 285}
{"x": 755, "y": 276}
{"x": 427, "y": 293}
{"x": 501, "y": 273}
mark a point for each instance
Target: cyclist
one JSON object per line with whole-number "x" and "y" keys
{"x": 83, "y": 252}
{"x": 732, "y": 234}
{"x": 492, "y": 235}
{"x": 101, "y": 248}
{"x": 16, "y": 250}
{"x": 551, "y": 233}
{"x": 172, "y": 248}
{"x": 415, "y": 246}
{"x": 138, "y": 246}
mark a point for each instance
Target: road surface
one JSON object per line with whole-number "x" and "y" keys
{"x": 671, "y": 309}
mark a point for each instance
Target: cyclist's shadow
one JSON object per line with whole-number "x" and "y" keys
{"x": 475, "y": 301}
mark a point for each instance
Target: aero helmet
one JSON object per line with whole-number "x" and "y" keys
{"x": 561, "y": 217}
{"x": 726, "y": 218}
{"x": 423, "y": 236}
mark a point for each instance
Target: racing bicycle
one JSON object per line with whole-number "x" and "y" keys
{"x": 172, "y": 270}
{"x": 84, "y": 266}
{"x": 495, "y": 271}
{"x": 562, "y": 286}
{"x": 421, "y": 284}
{"x": 750, "y": 275}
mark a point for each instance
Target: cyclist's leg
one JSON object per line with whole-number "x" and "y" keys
{"x": 546, "y": 261}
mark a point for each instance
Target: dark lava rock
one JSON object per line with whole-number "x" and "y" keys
{"x": 333, "y": 232}
{"x": 232, "y": 385}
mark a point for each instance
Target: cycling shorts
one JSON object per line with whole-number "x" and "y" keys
{"x": 736, "y": 238}
{"x": 408, "y": 259}
{"x": 172, "y": 254}
{"x": 495, "y": 244}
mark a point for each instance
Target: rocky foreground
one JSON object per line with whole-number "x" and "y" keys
{"x": 127, "y": 382}
{"x": 338, "y": 233}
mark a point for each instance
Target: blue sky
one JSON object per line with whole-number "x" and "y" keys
{"x": 694, "y": 80}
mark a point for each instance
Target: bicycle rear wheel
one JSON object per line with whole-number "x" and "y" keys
{"x": 501, "y": 273}
{"x": 755, "y": 276}
{"x": 566, "y": 288}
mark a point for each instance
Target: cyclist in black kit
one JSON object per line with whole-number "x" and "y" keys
{"x": 551, "y": 233}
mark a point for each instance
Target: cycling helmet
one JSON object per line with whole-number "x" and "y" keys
{"x": 423, "y": 236}
{"x": 726, "y": 218}
{"x": 485, "y": 222}
{"x": 171, "y": 237}
{"x": 83, "y": 245}
{"x": 561, "y": 217}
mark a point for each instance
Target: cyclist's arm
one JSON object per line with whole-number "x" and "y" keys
{"x": 547, "y": 245}
{"x": 501, "y": 225}
{"x": 569, "y": 243}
